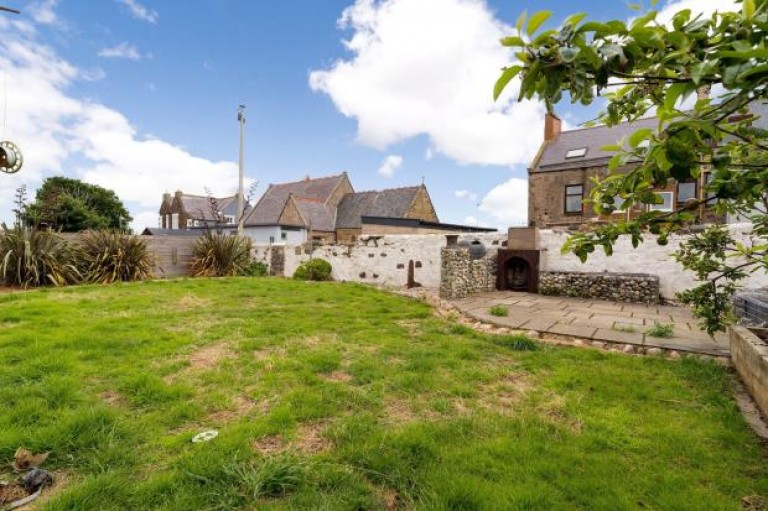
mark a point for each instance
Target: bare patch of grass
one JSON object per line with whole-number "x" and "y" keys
{"x": 269, "y": 445}
{"x": 113, "y": 398}
{"x": 553, "y": 409}
{"x": 309, "y": 438}
{"x": 503, "y": 395}
{"x": 242, "y": 406}
{"x": 190, "y": 302}
{"x": 208, "y": 357}
{"x": 339, "y": 376}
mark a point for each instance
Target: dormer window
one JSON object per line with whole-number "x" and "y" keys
{"x": 576, "y": 153}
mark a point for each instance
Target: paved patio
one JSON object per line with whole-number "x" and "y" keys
{"x": 624, "y": 323}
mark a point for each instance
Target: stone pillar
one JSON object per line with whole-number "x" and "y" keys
{"x": 277, "y": 261}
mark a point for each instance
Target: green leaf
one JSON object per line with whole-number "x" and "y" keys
{"x": 758, "y": 70}
{"x": 537, "y": 20}
{"x": 748, "y": 8}
{"x": 674, "y": 92}
{"x": 568, "y": 54}
{"x": 504, "y": 79}
{"x": 575, "y": 19}
{"x": 513, "y": 41}
{"x": 638, "y": 136}
{"x": 521, "y": 21}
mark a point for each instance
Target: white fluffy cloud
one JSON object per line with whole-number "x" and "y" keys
{"x": 705, "y": 7}
{"x": 62, "y": 134}
{"x": 139, "y": 11}
{"x": 390, "y": 164}
{"x": 122, "y": 51}
{"x": 465, "y": 194}
{"x": 427, "y": 67}
{"x": 507, "y": 203}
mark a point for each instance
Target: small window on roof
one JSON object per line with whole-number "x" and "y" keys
{"x": 576, "y": 153}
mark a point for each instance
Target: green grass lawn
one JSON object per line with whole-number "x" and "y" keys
{"x": 337, "y": 396}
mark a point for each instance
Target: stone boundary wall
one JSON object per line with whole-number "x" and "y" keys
{"x": 649, "y": 258}
{"x": 749, "y": 355}
{"x": 380, "y": 260}
{"x": 461, "y": 276}
{"x": 619, "y": 287}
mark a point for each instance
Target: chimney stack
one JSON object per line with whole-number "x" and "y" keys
{"x": 552, "y": 127}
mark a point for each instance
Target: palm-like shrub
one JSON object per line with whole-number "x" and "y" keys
{"x": 220, "y": 255}
{"x": 107, "y": 256}
{"x": 314, "y": 269}
{"x": 32, "y": 257}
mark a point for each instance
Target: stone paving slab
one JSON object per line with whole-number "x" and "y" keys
{"x": 624, "y": 323}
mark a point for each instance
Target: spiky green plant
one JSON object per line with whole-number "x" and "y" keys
{"x": 220, "y": 255}
{"x": 106, "y": 257}
{"x": 32, "y": 257}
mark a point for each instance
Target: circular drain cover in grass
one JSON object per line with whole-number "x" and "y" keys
{"x": 205, "y": 436}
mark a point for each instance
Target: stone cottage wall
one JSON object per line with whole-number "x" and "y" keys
{"x": 619, "y": 287}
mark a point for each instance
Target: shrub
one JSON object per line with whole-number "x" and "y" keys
{"x": 31, "y": 257}
{"x": 220, "y": 255}
{"x": 662, "y": 331}
{"x": 499, "y": 310}
{"x": 314, "y": 269}
{"x": 256, "y": 269}
{"x": 105, "y": 257}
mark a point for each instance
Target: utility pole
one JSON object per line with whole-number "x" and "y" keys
{"x": 8, "y": 9}
{"x": 240, "y": 195}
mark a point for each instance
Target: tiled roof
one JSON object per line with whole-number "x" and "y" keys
{"x": 199, "y": 206}
{"x": 591, "y": 139}
{"x": 392, "y": 203}
{"x": 267, "y": 211}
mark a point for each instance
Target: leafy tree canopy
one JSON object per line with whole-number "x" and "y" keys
{"x": 650, "y": 66}
{"x": 70, "y": 205}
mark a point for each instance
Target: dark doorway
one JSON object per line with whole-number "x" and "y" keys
{"x": 518, "y": 270}
{"x": 518, "y": 274}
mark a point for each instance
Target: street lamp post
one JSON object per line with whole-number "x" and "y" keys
{"x": 240, "y": 196}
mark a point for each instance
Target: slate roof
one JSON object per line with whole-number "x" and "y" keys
{"x": 391, "y": 203}
{"x": 316, "y": 214}
{"x": 157, "y": 231}
{"x": 267, "y": 211}
{"x": 199, "y": 206}
{"x": 554, "y": 155}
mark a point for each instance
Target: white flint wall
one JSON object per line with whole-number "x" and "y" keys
{"x": 649, "y": 257}
{"x": 385, "y": 264}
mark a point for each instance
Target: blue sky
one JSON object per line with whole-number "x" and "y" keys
{"x": 140, "y": 96}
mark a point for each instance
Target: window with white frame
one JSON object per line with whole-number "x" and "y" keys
{"x": 229, "y": 219}
{"x": 666, "y": 202}
{"x": 618, "y": 204}
{"x": 160, "y": 221}
{"x": 190, "y": 222}
{"x": 175, "y": 221}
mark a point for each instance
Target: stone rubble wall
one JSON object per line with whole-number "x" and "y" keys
{"x": 462, "y": 276}
{"x": 619, "y": 287}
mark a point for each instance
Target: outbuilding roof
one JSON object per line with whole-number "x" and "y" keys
{"x": 391, "y": 203}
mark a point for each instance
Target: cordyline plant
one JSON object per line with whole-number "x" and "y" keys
{"x": 646, "y": 66}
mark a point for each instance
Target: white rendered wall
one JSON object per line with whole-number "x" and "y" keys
{"x": 261, "y": 235}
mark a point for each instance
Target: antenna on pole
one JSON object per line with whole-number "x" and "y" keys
{"x": 240, "y": 197}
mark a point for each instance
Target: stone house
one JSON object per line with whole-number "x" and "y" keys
{"x": 185, "y": 211}
{"x": 561, "y": 175}
{"x": 327, "y": 209}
